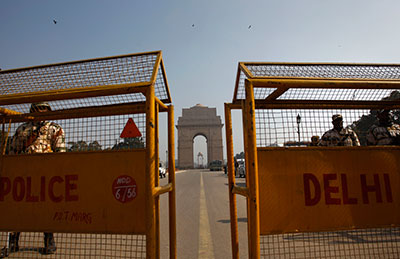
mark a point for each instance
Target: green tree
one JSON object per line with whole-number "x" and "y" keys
{"x": 129, "y": 143}
{"x": 80, "y": 145}
{"x": 94, "y": 146}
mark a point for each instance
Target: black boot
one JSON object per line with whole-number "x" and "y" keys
{"x": 13, "y": 242}
{"x": 49, "y": 244}
{"x": 4, "y": 252}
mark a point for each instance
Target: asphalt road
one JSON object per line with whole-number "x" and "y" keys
{"x": 203, "y": 224}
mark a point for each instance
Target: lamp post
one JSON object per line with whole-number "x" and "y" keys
{"x": 166, "y": 158}
{"x": 298, "y": 119}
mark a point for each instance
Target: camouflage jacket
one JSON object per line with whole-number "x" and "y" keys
{"x": 38, "y": 137}
{"x": 346, "y": 137}
{"x": 380, "y": 135}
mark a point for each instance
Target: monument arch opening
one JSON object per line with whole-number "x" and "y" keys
{"x": 196, "y": 121}
{"x": 200, "y": 151}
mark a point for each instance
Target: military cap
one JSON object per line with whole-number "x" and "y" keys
{"x": 35, "y": 106}
{"x": 337, "y": 117}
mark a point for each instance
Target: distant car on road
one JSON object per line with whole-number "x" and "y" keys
{"x": 216, "y": 165}
{"x": 162, "y": 171}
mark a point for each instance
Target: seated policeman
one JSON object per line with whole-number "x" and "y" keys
{"x": 339, "y": 136}
{"x": 387, "y": 132}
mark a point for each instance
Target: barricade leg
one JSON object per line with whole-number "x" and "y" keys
{"x": 150, "y": 165}
{"x": 251, "y": 150}
{"x": 245, "y": 141}
{"x": 231, "y": 182}
{"x": 157, "y": 178}
{"x": 171, "y": 180}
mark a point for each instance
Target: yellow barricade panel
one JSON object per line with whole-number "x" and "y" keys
{"x": 92, "y": 192}
{"x": 322, "y": 189}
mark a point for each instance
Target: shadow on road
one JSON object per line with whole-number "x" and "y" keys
{"x": 229, "y": 221}
{"x": 238, "y": 184}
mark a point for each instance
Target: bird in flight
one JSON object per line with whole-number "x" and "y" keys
{"x": 55, "y": 22}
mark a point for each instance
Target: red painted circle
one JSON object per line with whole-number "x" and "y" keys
{"x": 124, "y": 188}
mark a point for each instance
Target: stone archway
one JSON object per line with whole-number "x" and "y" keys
{"x": 195, "y": 121}
{"x": 198, "y": 140}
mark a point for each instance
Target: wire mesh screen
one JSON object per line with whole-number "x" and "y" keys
{"x": 240, "y": 94}
{"x": 319, "y": 71}
{"x": 119, "y": 70}
{"x": 325, "y": 71}
{"x": 91, "y": 73}
{"x": 160, "y": 89}
{"x": 278, "y": 127}
{"x": 95, "y": 133}
{"x": 74, "y": 245}
{"x": 333, "y": 94}
{"x": 361, "y": 243}
{"x": 83, "y": 102}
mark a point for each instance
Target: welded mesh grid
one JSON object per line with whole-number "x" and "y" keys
{"x": 90, "y": 73}
{"x": 320, "y": 71}
{"x": 97, "y": 133}
{"x": 83, "y": 102}
{"x": 75, "y": 245}
{"x": 362, "y": 243}
{"x": 160, "y": 85}
{"x": 331, "y": 94}
{"x": 337, "y": 71}
{"x": 240, "y": 94}
{"x": 278, "y": 127}
{"x": 111, "y": 71}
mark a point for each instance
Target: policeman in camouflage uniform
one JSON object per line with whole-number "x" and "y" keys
{"x": 37, "y": 137}
{"x": 386, "y": 132}
{"x": 339, "y": 136}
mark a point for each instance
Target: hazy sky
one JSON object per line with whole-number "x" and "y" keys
{"x": 201, "y": 60}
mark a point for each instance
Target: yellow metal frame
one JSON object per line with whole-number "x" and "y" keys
{"x": 151, "y": 107}
{"x": 248, "y": 107}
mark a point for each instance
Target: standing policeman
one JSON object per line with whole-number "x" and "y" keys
{"x": 37, "y": 137}
{"x": 386, "y": 132}
{"x": 339, "y": 136}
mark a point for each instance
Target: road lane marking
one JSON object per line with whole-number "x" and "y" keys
{"x": 206, "y": 249}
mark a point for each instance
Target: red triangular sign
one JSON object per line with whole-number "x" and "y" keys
{"x": 130, "y": 130}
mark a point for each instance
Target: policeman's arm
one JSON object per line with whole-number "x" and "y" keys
{"x": 356, "y": 141}
{"x": 59, "y": 141}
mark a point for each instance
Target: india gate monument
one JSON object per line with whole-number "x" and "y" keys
{"x": 196, "y": 121}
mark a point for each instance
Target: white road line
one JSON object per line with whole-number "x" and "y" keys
{"x": 206, "y": 249}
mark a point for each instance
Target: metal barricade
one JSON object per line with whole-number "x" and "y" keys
{"x": 306, "y": 200}
{"x": 100, "y": 197}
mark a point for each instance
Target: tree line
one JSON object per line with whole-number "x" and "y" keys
{"x": 126, "y": 143}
